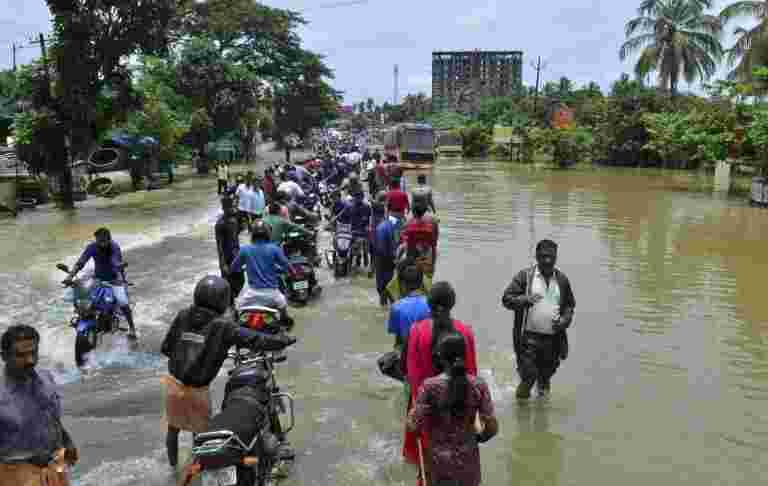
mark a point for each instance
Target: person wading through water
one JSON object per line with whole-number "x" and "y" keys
{"x": 197, "y": 345}
{"x": 543, "y": 301}
{"x": 228, "y": 246}
{"x": 422, "y": 361}
{"x": 35, "y": 449}
{"x": 418, "y": 239}
{"x": 456, "y": 411}
{"x": 422, "y": 194}
{"x": 404, "y": 313}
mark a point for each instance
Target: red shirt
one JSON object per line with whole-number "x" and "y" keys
{"x": 419, "y": 232}
{"x": 268, "y": 185}
{"x": 381, "y": 172}
{"x": 397, "y": 201}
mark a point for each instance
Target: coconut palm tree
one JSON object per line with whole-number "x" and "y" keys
{"x": 676, "y": 39}
{"x": 751, "y": 47}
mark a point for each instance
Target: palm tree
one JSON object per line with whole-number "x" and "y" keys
{"x": 751, "y": 45}
{"x": 676, "y": 39}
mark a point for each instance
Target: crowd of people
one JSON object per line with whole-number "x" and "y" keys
{"x": 450, "y": 410}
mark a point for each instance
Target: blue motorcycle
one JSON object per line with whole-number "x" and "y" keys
{"x": 96, "y": 312}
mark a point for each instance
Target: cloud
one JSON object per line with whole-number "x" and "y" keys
{"x": 481, "y": 17}
{"x": 419, "y": 83}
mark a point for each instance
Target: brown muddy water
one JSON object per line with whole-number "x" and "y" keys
{"x": 667, "y": 382}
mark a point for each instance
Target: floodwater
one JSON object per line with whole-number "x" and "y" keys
{"x": 667, "y": 382}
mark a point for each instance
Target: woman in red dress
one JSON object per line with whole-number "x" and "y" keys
{"x": 422, "y": 362}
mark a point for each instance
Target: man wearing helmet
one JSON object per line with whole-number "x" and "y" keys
{"x": 196, "y": 345}
{"x": 264, "y": 261}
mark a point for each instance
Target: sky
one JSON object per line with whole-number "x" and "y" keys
{"x": 363, "y": 39}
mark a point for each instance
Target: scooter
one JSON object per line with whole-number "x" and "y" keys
{"x": 96, "y": 312}
{"x": 300, "y": 282}
{"x": 348, "y": 250}
{"x": 241, "y": 446}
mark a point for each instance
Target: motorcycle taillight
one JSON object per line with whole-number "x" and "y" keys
{"x": 256, "y": 321}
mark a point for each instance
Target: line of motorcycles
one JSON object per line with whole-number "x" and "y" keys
{"x": 242, "y": 445}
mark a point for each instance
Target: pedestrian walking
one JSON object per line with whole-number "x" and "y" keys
{"x": 422, "y": 361}
{"x": 35, "y": 448}
{"x": 455, "y": 410}
{"x": 543, "y": 301}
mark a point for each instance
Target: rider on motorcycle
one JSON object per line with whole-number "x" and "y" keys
{"x": 264, "y": 262}
{"x": 109, "y": 267}
{"x": 196, "y": 345}
{"x": 295, "y": 209}
{"x": 290, "y": 185}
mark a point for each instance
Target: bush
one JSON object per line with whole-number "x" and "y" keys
{"x": 475, "y": 140}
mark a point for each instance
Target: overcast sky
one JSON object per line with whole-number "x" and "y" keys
{"x": 363, "y": 39}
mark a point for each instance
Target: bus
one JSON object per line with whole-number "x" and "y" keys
{"x": 410, "y": 142}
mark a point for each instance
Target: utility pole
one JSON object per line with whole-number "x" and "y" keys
{"x": 538, "y": 67}
{"x": 14, "y": 47}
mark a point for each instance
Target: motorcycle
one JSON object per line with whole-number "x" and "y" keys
{"x": 348, "y": 250}
{"x": 242, "y": 445}
{"x": 96, "y": 312}
{"x": 301, "y": 280}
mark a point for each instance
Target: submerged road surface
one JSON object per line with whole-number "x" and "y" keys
{"x": 667, "y": 382}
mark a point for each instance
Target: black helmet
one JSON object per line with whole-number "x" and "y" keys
{"x": 213, "y": 293}
{"x": 261, "y": 231}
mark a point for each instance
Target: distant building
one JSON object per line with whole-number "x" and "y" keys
{"x": 460, "y": 79}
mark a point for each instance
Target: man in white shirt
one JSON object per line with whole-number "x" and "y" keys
{"x": 543, "y": 301}
{"x": 290, "y": 187}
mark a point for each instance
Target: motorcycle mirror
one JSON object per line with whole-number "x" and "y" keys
{"x": 63, "y": 267}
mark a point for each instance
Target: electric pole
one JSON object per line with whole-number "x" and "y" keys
{"x": 13, "y": 55}
{"x": 538, "y": 67}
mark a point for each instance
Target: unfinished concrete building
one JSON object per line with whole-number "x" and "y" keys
{"x": 460, "y": 79}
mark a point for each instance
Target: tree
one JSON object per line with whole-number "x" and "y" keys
{"x": 261, "y": 38}
{"x": 308, "y": 101}
{"x": 676, "y": 39}
{"x": 565, "y": 88}
{"x": 751, "y": 47}
{"x": 92, "y": 38}
{"x": 370, "y": 105}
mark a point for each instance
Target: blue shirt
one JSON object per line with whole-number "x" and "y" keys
{"x": 405, "y": 312}
{"x": 388, "y": 237}
{"x": 263, "y": 261}
{"x": 257, "y": 201}
{"x": 30, "y": 414}
{"x": 107, "y": 267}
{"x": 358, "y": 214}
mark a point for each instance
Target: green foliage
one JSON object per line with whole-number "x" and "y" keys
{"x": 757, "y": 135}
{"x": 475, "y": 139}
{"x": 691, "y": 137}
{"x": 502, "y": 111}
{"x": 447, "y": 120}
{"x": 674, "y": 38}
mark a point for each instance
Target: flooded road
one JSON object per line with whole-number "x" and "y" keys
{"x": 667, "y": 380}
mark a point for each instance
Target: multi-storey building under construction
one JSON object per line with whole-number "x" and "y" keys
{"x": 460, "y": 79}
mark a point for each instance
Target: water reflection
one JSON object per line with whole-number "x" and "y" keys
{"x": 537, "y": 451}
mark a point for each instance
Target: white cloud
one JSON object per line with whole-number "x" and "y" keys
{"x": 419, "y": 83}
{"x": 480, "y": 17}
